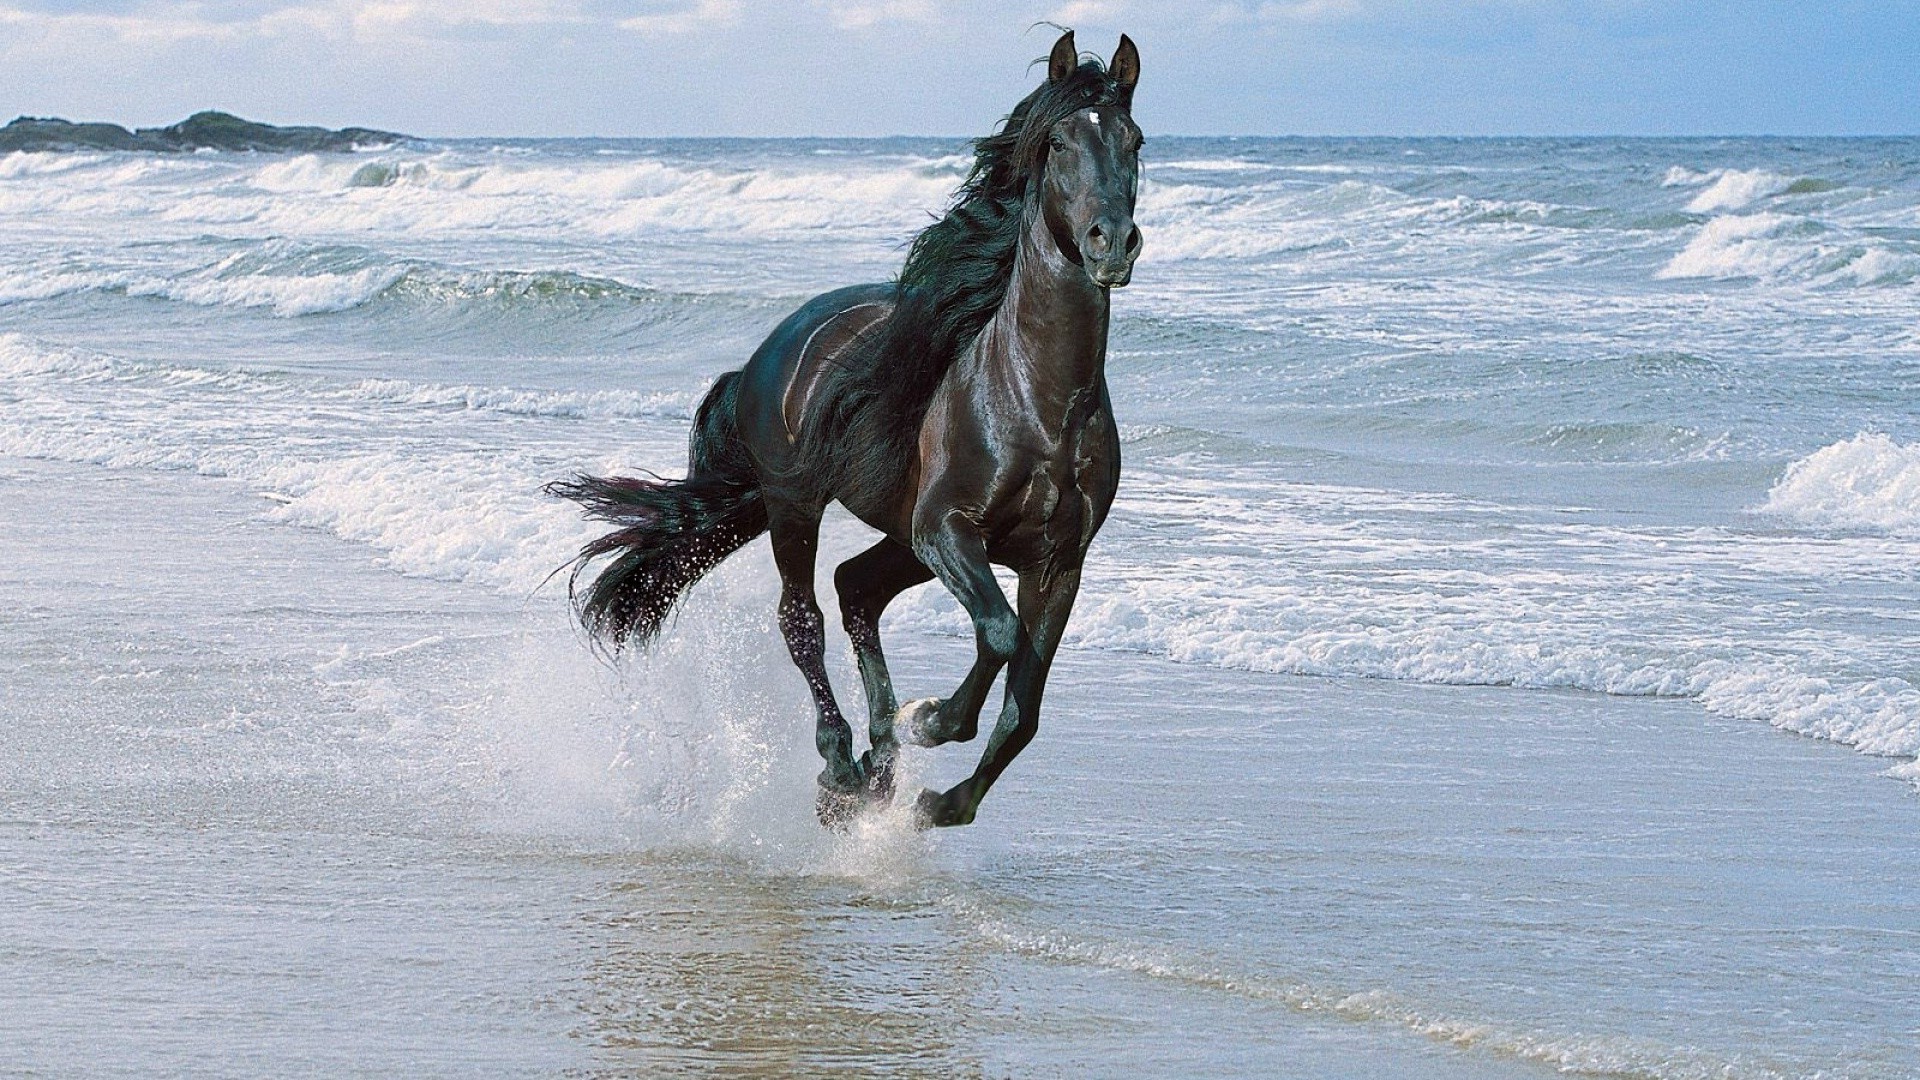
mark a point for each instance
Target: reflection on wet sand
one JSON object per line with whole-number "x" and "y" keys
{"x": 697, "y": 969}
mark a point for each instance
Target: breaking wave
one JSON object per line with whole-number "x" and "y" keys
{"x": 1782, "y": 247}
{"x": 1868, "y": 482}
{"x": 291, "y": 279}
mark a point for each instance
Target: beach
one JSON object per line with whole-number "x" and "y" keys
{"x": 1499, "y": 661}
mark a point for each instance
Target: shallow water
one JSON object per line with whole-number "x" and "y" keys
{"x": 1491, "y": 507}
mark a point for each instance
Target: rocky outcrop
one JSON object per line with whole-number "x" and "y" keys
{"x": 201, "y": 131}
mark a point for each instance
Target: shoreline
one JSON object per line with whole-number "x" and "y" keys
{"x": 437, "y": 807}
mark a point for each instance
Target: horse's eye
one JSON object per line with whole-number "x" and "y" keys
{"x": 1055, "y": 142}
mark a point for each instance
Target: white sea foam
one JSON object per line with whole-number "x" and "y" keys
{"x": 1866, "y": 482}
{"x": 1786, "y": 248}
{"x": 287, "y": 294}
{"x": 1197, "y": 221}
{"x": 628, "y": 404}
{"x": 1746, "y": 245}
{"x": 1284, "y": 582}
{"x": 439, "y": 194}
{"x": 1681, "y": 176}
{"x": 43, "y": 284}
{"x": 471, "y": 518}
{"x": 1734, "y": 189}
{"x": 1755, "y": 234}
{"x": 468, "y": 513}
{"x": 19, "y": 357}
{"x": 294, "y": 278}
{"x": 596, "y": 197}
{"x": 1231, "y": 165}
{"x": 1879, "y": 266}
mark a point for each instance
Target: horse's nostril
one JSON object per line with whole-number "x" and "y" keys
{"x": 1097, "y": 241}
{"x": 1133, "y": 240}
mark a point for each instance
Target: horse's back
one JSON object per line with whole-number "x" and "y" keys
{"x": 778, "y": 383}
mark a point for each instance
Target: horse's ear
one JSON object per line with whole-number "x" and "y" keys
{"x": 1125, "y": 68}
{"x": 1064, "y": 60}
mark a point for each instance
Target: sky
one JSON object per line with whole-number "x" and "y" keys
{"x": 953, "y": 67}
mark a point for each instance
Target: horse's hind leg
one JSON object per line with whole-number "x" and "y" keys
{"x": 1045, "y": 602}
{"x": 867, "y": 583}
{"x": 796, "y": 539}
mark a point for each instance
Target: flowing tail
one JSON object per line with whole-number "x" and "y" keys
{"x": 671, "y": 532}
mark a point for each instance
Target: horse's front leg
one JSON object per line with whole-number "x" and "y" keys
{"x": 952, "y": 548}
{"x": 1046, "y": 599}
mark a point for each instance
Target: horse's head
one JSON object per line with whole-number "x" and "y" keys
{"x": 1091, "y": 175}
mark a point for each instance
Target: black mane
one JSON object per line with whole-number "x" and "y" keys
{"x": 865, "y": 417}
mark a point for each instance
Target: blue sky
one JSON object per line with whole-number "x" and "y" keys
{"x": 952, "y": 67}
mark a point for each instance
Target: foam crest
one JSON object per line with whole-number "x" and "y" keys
{"x": 293, "y": 278}
{"x": 41, "y": 284}
{"x": 595, "y": 196}
{"x": 1221, "y": 165}
{"x": 1748, "y": 245}
{"x": 286, "y": 294}
{"x": 1734, "y": 189}
{"x": 1779, "y": 247}
{"x": 1198, "y": 221}
{"x": 471, "y": 518}
{"x": 1866, "y": 482}
{"x": 22, "y": 164}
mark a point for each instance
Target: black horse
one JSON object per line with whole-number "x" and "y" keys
{"x": 961, "y": 410}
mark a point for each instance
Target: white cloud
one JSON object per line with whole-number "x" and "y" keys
{"x": 1271, "y": 11}
{"x": 1077, "y": 12}
{"x": 684, "y": 17}
{"x": 861, "y": 14}
{"x": 367, "y": 21}
{"x": 161, "y": 25}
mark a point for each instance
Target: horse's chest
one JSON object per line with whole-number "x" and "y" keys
{"x": 1065, "y": 496}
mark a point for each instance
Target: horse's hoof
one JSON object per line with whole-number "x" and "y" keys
{"x": 879, "y": 774}
{"x": 837, "y": 809}
{"x": 912, "y": 721}
{"x": 933, "y": 810}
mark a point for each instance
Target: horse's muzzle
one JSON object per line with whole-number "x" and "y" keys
{"x": 1110, "y": 263}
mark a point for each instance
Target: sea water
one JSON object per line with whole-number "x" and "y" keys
{"x": 1501, "y": 659}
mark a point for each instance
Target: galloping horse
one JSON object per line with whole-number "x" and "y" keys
{"x": 961, "y": 410}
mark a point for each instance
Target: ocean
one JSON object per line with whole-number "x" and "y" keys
{"x": 1502, "y": 659}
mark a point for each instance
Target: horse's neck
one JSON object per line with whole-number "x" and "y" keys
{"x": 1050, "y": 335}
